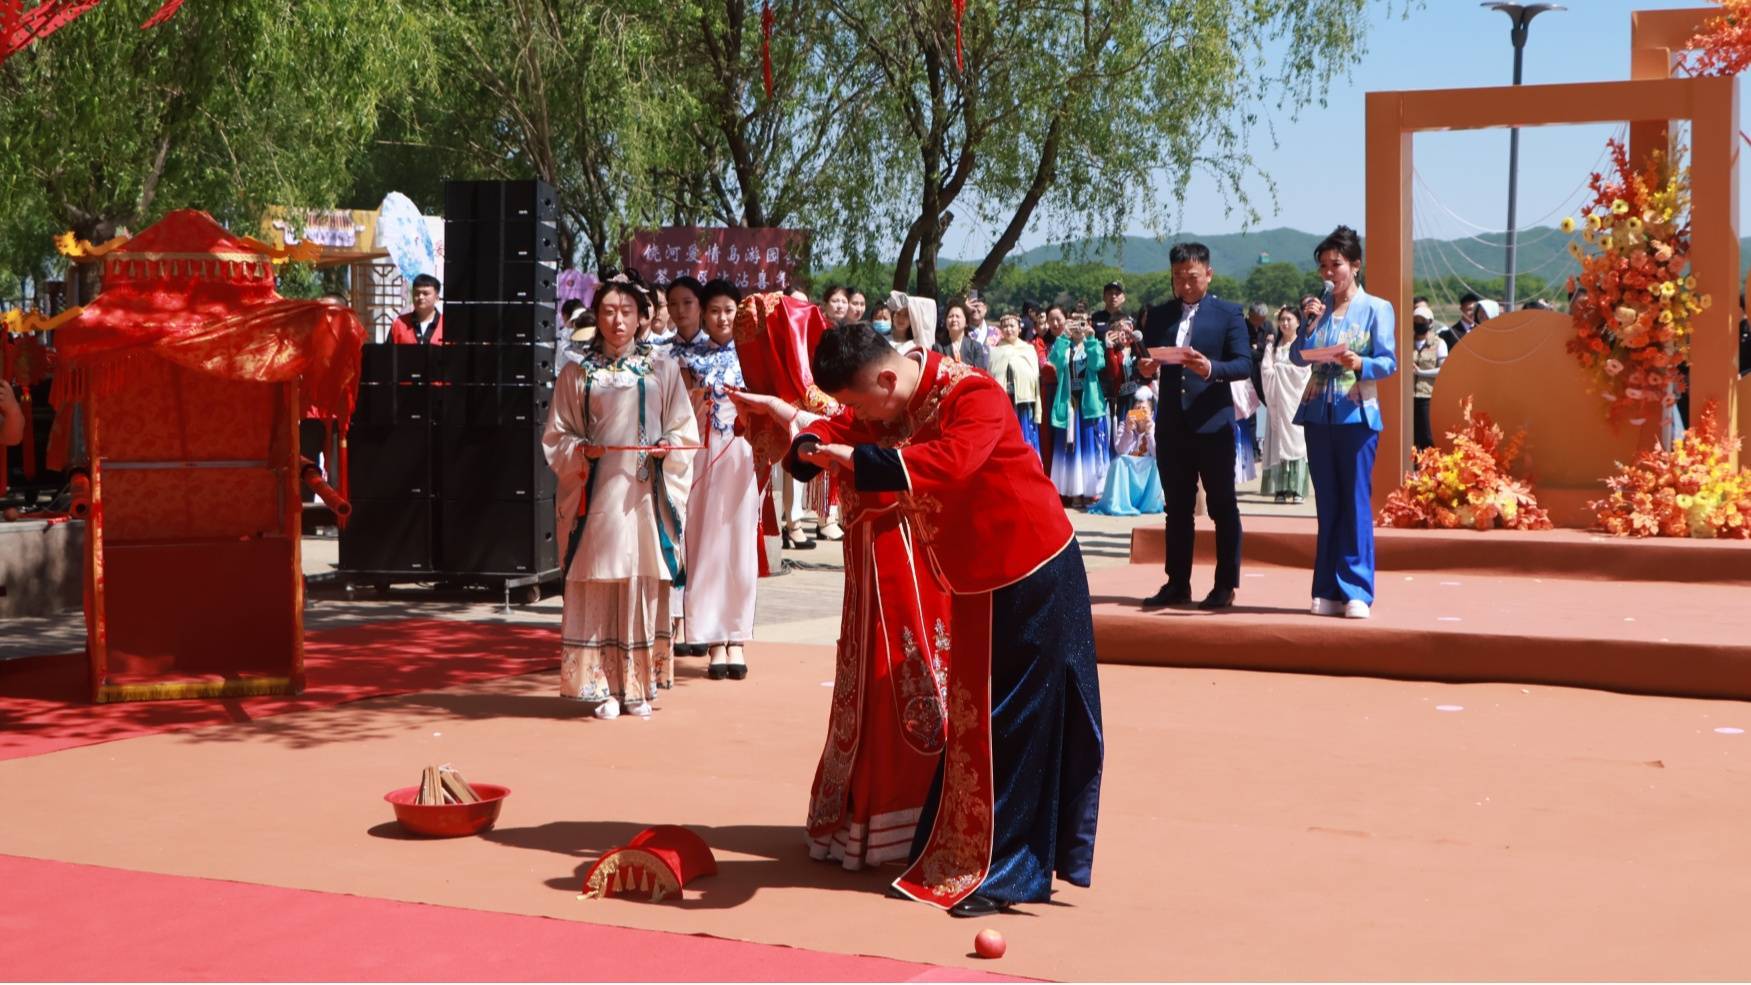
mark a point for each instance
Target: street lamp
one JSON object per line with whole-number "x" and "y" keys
{"x": 1521, "y": 15}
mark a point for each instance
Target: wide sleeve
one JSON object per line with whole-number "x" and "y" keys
{"x": 563, "y": 441}
{"x": 972, "y": 420}
{"x": 1381, "y": 359}
{"x": 838, "y": 429}
{"x": 680, "y": 428}
{"x": 1235, "y": 363}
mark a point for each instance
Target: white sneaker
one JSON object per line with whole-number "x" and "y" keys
{"x": 1326, "y": 607}
{"x": 607, "y": 710}
{"x": 1355, "y": 609}
{"x": 639, "y": 709}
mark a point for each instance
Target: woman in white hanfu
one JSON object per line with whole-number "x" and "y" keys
{"x": 619, "y": 439}
{"x": 723, "y": 514}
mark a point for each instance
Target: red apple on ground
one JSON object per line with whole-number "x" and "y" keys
{"x": 989, "y": 944}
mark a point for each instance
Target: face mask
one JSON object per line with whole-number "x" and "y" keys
{"x": 882, "y": 327}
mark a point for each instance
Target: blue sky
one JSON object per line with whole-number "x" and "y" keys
{"x": 1463, "y": 176}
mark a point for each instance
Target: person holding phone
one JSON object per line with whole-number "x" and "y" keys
{"x": 1348, "y": 338}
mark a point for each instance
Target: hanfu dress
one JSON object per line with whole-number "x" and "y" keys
{"x": 1133, "y": 483}
{"x": 1017, "y": 368}
{"x": 620, "y": 517}
{"x": 886, "y": 723}
{"x": 723, "y": 512}
{"x": 1082, "y": 446}
{"x": 1285, "y": 445}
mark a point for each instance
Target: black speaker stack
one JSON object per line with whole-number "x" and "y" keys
{"x": 445, "y": 465}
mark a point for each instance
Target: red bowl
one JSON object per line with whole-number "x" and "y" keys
{"x": 448, "y": 820}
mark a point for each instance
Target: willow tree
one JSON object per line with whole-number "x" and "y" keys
{"x": 227, "y": 107}
{"x": 799, "y": 156}
{"x": 574, "y": 92}
{"x": 1076, "y": 110}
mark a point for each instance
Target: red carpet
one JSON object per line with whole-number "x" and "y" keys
{"x": 87, "y": 923}
{"x": 43, "y": 706}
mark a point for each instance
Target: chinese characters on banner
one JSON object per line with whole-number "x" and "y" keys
{"x": 751, "y": 259}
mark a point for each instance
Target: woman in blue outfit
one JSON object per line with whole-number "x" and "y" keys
{"x": 1348, "y": 338}
{"x": 1133, "y": 482}
{"x": 1080, "y": 439}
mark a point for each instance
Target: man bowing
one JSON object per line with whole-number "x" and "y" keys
{"x": 1204, "y": 341}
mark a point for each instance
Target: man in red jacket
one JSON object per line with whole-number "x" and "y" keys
{"x": 425, "y": 323}
{"x": 1019, "y": 790}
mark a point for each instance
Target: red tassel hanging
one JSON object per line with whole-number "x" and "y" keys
{"x": 960, "y": 14}
{"x": 767, "y": 20}
{"x": 164, "y": 13}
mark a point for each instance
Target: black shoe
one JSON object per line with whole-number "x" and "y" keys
{"x": 1219, "y": 598}
{"x": 1170, "y": 594}
{"x": 717, "y": 672}
{"x": 737, "y": 672}
{"x": 894, "y": 893}
{"x": 798, "y": 545}
{"x": 977, "y": 906}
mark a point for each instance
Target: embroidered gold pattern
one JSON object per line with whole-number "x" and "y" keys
{"x": 955, "y": 860}
{"x": 827, "y": 805}
{"x": 921, "y": 704}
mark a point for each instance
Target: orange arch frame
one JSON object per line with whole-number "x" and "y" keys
{"x": 1648, "y": 104}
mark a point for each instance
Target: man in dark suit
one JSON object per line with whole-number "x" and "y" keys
{"x": 1194, "y": 425}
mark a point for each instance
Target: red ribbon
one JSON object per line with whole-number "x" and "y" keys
{"x": 164, "y": 13}
{"x": 767, "y": 21}
{"x": 960, "y": 14}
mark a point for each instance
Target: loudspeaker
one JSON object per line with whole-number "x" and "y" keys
{"x": 494, "y": 463}
{"x": 388, "y": 535}
{"x": 487, "y": 240}
{"x": 387, "y": 362}
{"x": 385, "y": 404}
{"x": 495, "y": 365}
{"x": 510, "y": 280}
{"x": 498, "y": 536}
{"x": 471, "y": 201}
{"x": 392, "y": 462}
{"x": 502, "y": 324}
{"x": 490, "y": 406}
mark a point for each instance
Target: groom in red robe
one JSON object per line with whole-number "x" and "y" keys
{"x": 1018, "y": 792}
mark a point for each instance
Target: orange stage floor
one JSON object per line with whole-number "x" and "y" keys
{"x": 1256, "y": 826}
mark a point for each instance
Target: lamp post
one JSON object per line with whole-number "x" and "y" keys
{"x": 1521, "y": 15}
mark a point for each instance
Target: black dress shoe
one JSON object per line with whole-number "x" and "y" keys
{"x": 798, "y": 545}
{"x": 1219, "y": 598}
{"x": 1170, "y": 594}
{"x": 717, "y": 672}
{"x": 737, "y": 672}
{"x": 977, "y": 906}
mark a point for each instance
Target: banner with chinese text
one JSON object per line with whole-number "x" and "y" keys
{"x": 751, "y": 259}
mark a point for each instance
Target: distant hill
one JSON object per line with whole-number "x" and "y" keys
{"x": 1543, "y": 252}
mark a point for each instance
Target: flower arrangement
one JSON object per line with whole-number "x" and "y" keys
{"x": 1633, "y": 314}
{"x": 1688, "y": 491}
{"x": 1467, "y": 484}
{"x": 1723, "y": 46}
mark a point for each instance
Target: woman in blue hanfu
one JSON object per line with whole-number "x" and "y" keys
{"x": 723, "y": 513}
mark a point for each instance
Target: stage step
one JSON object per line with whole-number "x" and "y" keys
{"x": 1639, "y": 636}
{"x": 1291, "y": 541}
